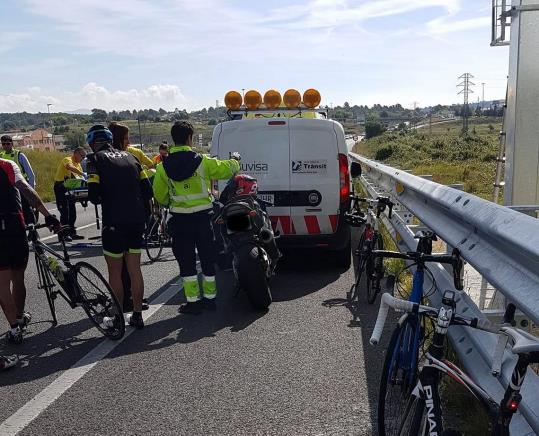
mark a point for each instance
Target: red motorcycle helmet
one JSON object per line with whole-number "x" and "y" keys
{"x": 245, "y": 185}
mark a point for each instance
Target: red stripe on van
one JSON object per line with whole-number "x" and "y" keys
{"x": 286, "y": 224}
{"x": 312, "y": 225}
{"x": 333, "y": 219}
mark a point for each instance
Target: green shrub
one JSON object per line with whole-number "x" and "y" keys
{"x": 383, "y": 153}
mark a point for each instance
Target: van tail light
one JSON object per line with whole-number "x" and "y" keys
{"x": 344, "y": 176}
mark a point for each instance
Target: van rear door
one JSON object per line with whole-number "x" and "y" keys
{"x": 314, "y": 176}
{"x": 264, "y": 147}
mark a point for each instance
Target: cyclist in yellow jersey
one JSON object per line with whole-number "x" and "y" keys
{"x": 68, "y": 168}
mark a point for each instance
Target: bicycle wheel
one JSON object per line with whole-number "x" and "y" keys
{"x": 399, "y": 375}
{"x": 46, "y": 283}
{"x": 154, "y": 239}
{"x": 374, "y": 270}
{"x": 353, "y": 293}
{"x": 414, "y": 422}
{"x": 98, "y": 301}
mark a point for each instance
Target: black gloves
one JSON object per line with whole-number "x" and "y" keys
{"x": 52, "y": 222}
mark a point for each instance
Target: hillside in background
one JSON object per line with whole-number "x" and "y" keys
{"x": 445, "y": 153}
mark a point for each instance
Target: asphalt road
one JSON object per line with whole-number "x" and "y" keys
{"x": 299, "y": 369}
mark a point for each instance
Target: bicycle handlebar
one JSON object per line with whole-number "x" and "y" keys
{"x": 416, "y": 256}
{"x": 397, "y": 304}
{"x": 386, "y": 302}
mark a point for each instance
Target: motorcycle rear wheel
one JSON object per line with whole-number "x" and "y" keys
{"x": 252, "y": 277}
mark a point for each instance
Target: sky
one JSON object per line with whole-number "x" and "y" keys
{"x": 186, "y": 54}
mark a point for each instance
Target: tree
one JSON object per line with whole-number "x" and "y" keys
{"x": 9, "y": 125}
{"x": 180, "y": 115}
{"x": 373, "y": 128}
{"x": 98, "y": 115}
{"x": 74, "y": 139}
{"x": 212, "y": 122}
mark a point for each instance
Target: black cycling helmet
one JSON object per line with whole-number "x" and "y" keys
{"x": 98, "y": 133}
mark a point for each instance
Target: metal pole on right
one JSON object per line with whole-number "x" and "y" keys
{"x": 522, "y": 113}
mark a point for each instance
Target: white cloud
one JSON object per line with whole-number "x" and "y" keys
{"x": 93, "y": 95}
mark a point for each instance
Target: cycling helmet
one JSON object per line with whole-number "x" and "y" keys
{"x": 98, "y": 133}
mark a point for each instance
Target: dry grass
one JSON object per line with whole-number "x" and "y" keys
{"x": 44, "y": 164}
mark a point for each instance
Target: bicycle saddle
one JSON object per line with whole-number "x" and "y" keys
{"x": 523, "y": 342}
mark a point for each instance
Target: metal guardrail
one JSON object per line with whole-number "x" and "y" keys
{"x": 500, "y": 243}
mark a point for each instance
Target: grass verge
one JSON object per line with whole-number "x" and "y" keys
{"x": 44, "y": 164}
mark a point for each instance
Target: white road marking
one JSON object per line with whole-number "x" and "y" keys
{"x": 37, "y": 405}
{"x": 78, "y": 228}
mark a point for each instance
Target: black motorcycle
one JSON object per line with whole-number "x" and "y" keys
{"x": 243, "y": 228}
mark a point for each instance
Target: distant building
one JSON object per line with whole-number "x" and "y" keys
{"x": 39, "y": 139}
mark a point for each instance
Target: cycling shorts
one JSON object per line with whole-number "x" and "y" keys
{"x": 119, "y": 240}
{"x": 14, "y": 252}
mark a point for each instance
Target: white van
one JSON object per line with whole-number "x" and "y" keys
{"x": 301, "y": 165}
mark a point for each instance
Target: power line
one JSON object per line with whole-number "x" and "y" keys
{"x": 466, "y": 90}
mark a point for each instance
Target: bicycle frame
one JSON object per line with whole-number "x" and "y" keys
{"x": 426, "y": 389}
{"x": 45, "y": 273}
{"x": 500, "y": 413}
{"x": 407, "y": 350}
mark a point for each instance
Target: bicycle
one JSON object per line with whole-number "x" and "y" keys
{"x": 399, "y": 371}
{"x": 80, "y": 284}
{"x": 423, "y": 412}
{"x": 371, "y": 239}
{"x": 156, "y": 235}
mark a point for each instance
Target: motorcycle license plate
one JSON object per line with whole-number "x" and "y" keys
{"x": 268, "y": 198}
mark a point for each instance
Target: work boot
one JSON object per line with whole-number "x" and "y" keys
{"x": 192, "y": 308}
{"x": 209, "y": 304}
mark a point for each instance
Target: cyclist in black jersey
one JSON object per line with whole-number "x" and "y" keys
{"x": 117, "y": 181}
